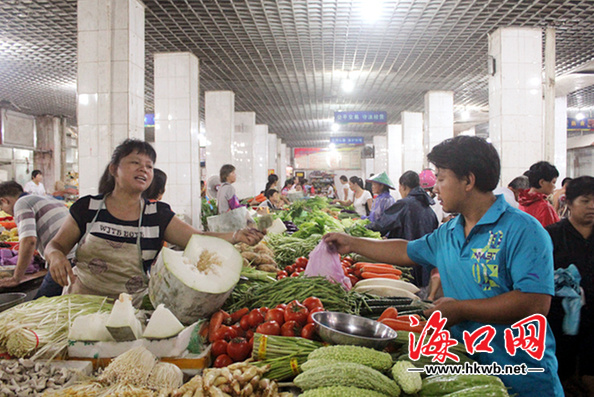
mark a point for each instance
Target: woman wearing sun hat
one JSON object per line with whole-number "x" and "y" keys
{"x": 381, "y": 185}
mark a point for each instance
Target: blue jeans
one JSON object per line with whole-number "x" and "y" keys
{"x": 49, "y": 287}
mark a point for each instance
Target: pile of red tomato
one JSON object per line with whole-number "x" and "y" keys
{"x": 293, "y": 270}
{"x": 232, "y": 335}
{"x": 349, "y": 270}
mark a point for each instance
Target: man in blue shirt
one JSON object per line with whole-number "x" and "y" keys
{"x": 495, "y": 262}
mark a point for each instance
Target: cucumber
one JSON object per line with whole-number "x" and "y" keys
{"x": 441, "y": 385}
{"x": 481, "y": 391}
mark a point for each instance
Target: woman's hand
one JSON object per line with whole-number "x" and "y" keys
{"x": 60, "y": 268}
{"x": 248, "y": 236}
{"x": 342, "y": 242}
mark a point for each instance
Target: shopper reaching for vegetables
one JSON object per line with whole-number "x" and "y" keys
{"x": 118, "y": 232}
{"x": 495, "y": 262}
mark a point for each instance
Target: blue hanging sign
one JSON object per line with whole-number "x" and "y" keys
{"x": 583, "y": 124}
{"x": 149, "y": 120}
{"x": 360, "y": 117}
{"x": 348, "y": 140}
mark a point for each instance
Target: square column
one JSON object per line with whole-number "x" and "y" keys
{"x": 394, "y": 140}
{"x": 515, "y": 99}
{"x": 273, "y": 153}
{"x": 282, "y": 175}
{"x": 110, "y": 82}
{"x": 380, "y": 161}
{"x": 412, "y": 140}
{"x": 219, "y": 122}
{"x": 260, "y": 150}
{"x": 243, "y": 153}
{"x": 280, "y": 169}
{"x": 561, "y": 138}
{"x": 177, "y": 124}
{"x": 439, "y": 120}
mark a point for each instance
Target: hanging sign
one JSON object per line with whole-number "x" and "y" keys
{"x": 348, "y": 140}
{"x": 360, "y": 117}
{"x": 583, "y": 124}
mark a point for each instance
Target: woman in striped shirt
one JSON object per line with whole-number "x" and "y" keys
{"x": 118, "y": 232}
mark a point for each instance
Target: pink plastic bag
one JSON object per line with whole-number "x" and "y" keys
{"x": 325, "y": 261}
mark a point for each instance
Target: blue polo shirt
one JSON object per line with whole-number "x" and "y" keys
{"x": 507, "y": 250}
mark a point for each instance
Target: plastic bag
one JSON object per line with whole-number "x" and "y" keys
{"x": 567, "y": 286}
{"x": 324, "y": 260}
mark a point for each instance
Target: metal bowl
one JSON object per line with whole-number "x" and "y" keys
{"x": 347, "y": 329}
{"x": 11, "y": 299}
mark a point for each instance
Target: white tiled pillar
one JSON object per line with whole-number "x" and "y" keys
{"x": 243, "y": 153}
{"x": 561, "y": 138}
{"x": 260, "y": 150}
{"x": 515, "y": 99}
{"x": 219, "y": 122}
{"x": 282, "y": 175}
{"x": 367, "y": 168}
{"x": 280, "y": 170}
{"x": 273, "y": 154}
{"x": 412, "y": 140}
{"x": 176, "y": 131}
{"x": 47, "y": 156}
{"x": 110, "y": 82}
{"x": 439, "y": 120}
{"x": 380, "y": 162}
{"x": 394, "y": 140}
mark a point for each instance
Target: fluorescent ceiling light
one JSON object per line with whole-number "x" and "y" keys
{"x": 348, "y": 85}
{"x": 580, "y": 116}
{"x": 371, "y": 9}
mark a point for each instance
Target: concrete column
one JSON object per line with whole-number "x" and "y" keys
{"x": 560, "y": 159}
{"x": 280, "y": 168}
{"x": 439, "y": 120}
{"x": 260, "y": 150}
{"x": 380, "y": 161}
{"x": 219, "y": 121}
{"x": 48, "y": 150}
{"x": 515, "y": 99}
{"x": 177, "y": 124}
{"x": 394, "y": 140}
{"x": 273, "y": 153}
{"x": 368, "y": 169}
{"x": 282, "y": 175}
{"x": 412, "y": 140}
{"x": 549, "y": 97}
{"x": 243, "y": 153}
{"x": 110, "y": 82}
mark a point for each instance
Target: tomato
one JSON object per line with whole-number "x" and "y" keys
{"x": 281, "y": 306}
{"x": 296, "y": 274}
{"x": 301, "y": 261}
{"x": 281, "y": 274}
{"x": 219, "y": 347}
{"x": 291, "y": 328}
{"x": 238, "y": 349}
{"x": 312, "y": 302}
{"x": 289, "y": 269}
{"x": 251, "y": 343}
{"x": 245, "y": 323}
{"x": 222, "y": 361}
{"x": 264, "y": 310}
{"x": 309, "y": 331}
{"x": 255, "y": 318}
{"x": 238, "y": 330}
{"x": 297, "y": 312}
{"x": 269, "y": 328}
{"x": 277, "y": 315}
{"x": 221, "y": 333}
{"x": 249, "y": 334}
{"x": 314, "y": 310}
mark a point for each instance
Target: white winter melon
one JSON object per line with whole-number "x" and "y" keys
{"x": 90, "y": 327}
{"x": 122, "y": 323}
{"x": 162, "y": 325}
{"x": 195, "y": 284}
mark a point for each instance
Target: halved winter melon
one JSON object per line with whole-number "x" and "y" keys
{"x": 194, "y": 284}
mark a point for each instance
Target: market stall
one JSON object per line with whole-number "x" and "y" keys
{"x": 283, "y": 317}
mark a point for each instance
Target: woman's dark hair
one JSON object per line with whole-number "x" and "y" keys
{"x": 541, "y": 170}
{"x": 225, "y": 171}
{"x": 582, "y": 186}
{"x": 35, "y": 173}
{"x": 107, "y": 181}
{"x": 289, "y": 182}
{"x": 272, "y": 179}
{"x": 409, "y": 179}
{"x": 157, "y": 188}
{"x": 270, "y": 192}
{"x": 465, "y": 155}
{"x": 343, "y": 178}
{"x": 565, "y": 180}
{"x": 356, "y": 181}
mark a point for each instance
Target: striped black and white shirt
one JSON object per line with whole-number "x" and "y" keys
{"x": 40, "y": 217}
{"x": 155, "y": 219}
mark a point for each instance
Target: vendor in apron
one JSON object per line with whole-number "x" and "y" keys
{"x": 119, "y": 233}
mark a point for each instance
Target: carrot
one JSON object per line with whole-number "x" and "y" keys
{"x": 406, "y": 317}
{"x": 381, "y": 269}
{"x": 359, "y": 265}
{"x": 376, "y": 275}
{"x": 236, "y": 316}
{"x": 399, "y": 325}
{"x": 390, "y": 312}
{"x": 215, "y": 323}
